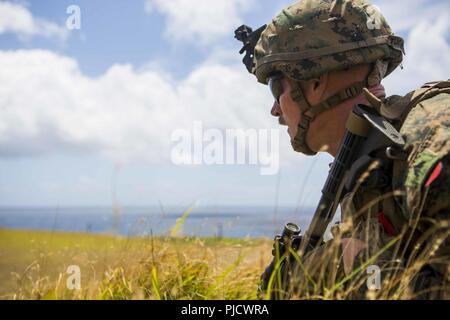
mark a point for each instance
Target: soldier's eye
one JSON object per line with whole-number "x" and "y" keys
{"x": 276, "y": 87}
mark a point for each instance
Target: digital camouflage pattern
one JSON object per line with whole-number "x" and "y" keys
{"x": 427, "y": 174}
{"x": 428, "y": 138}
{"x": 313, "y": 37}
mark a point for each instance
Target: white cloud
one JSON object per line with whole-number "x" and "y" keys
{"x": 427, "y": 55}
{"x": 202, "y": 20}
{"x": 48, "y": 105}
{"x": 17, "y": 19}
{"x": 404, "y": 15}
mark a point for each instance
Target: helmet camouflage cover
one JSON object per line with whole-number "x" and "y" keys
{"x": 313, "y": 37}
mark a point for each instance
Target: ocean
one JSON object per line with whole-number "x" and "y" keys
{"x": 234, "y": 222}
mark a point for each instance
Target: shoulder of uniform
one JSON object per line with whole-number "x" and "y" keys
{"x": 425, "y": 129}
{"x": 398, "y": 107}
{"x": 393, "y": 107}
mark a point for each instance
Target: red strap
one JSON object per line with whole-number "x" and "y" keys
{"x": 386, "y": 224}
{"x": 436, "y": 172}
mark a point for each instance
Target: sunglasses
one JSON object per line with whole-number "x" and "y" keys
{"x": 276, "y": 87}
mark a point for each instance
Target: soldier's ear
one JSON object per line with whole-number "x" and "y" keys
{"x": 317, "y": 87}
{"x": 322, "y": 84}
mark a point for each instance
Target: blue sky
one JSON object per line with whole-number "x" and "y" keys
{"x": 86, "y": 112}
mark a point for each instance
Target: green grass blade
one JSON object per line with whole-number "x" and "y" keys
{"x": 180, "y": 222}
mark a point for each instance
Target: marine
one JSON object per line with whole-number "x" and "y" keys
{"x": 321, "y": 58}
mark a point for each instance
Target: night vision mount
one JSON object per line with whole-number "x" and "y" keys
{"x": 249, "y": 38}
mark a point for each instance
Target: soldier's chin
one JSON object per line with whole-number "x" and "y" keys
{"x": 289, "y": 131}
{"x": 295, "y": 147}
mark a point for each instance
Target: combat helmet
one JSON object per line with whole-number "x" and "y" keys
{"x": 313, "y": 37}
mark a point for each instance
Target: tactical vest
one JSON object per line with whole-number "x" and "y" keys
{"x": 391, "y": 192}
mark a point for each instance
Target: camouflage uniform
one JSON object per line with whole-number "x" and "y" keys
{"x": 397, "y": 217}
{"x": 411, "y": 196}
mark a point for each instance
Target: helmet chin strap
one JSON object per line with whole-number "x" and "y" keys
{"x": 299, "y": 143}
{"x": 309, "y": 113}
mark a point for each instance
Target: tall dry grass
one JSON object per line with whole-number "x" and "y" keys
{"x": 33, "y": 265}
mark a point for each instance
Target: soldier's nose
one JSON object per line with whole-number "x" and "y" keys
{"x": 276, "y": 110}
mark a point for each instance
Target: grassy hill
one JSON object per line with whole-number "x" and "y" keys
{"x": 33, "y": 265}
